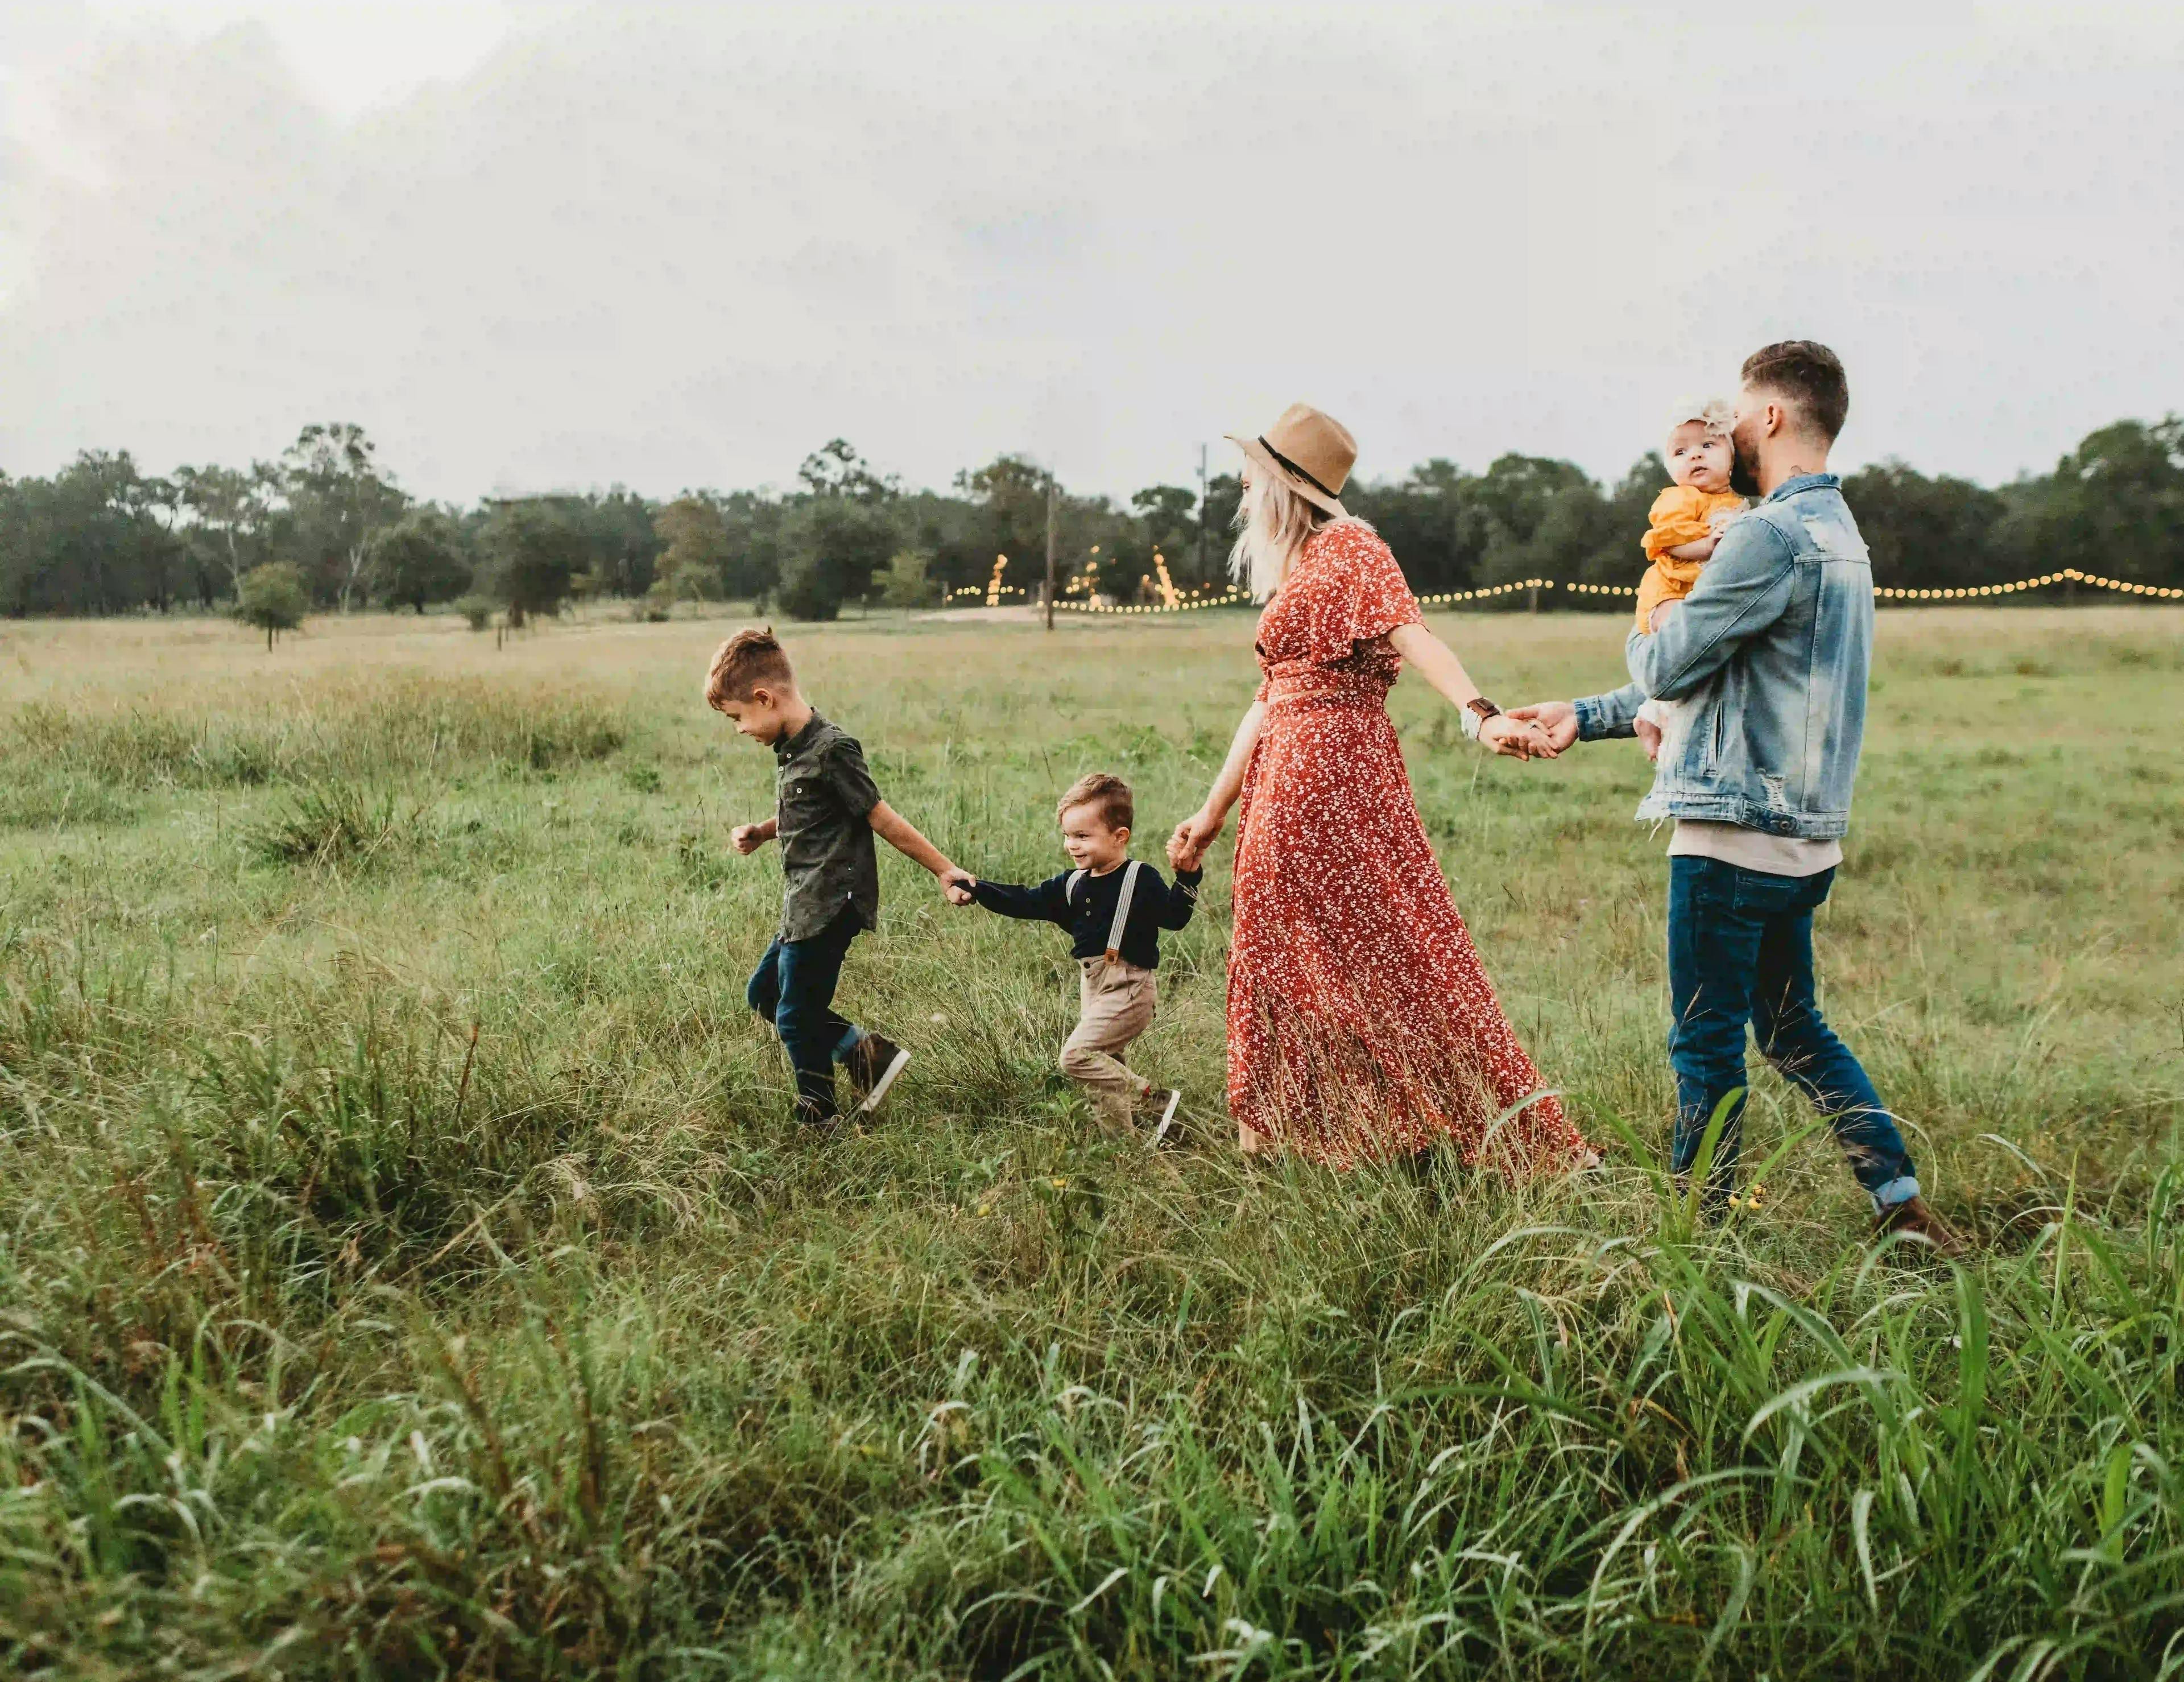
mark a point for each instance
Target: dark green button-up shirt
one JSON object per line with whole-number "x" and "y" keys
{"x": 824, "y": 798}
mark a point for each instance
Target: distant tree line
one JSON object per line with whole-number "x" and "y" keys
{"x": 101, "y": 537}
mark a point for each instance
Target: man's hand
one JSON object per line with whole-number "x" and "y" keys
{"x": 1649, "y": 737}
{"x": 1517, "y": 738}
{"x": 748, "y": 837}
{"x": 957, "y": 883}
{"x": 1558, "y": 719}
{"x": 1186, "y": 848}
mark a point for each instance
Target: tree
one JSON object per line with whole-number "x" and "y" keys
{"x": 694, "y": 553}
{"x": 625, "y": 546}
{"x": 2113, "y": 506}
{"x": 273, "y": 599}
{"x": 1432, "y": 522}
{"x": 832, "y": 546}
{"x": 1225, "y": 495}
{"x": 232, "y": 507}
{"x": 337, "y": 498}
{"x": 836, "y": 470}
{"x": 904, "y": 583}
{"x": 1167, "y": 518}
{"x": 422, "y": 558}
{"x": 1925, "y": 533}
{"x": 532, "y": 549}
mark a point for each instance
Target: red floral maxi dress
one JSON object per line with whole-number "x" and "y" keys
{"x": 1361, "y": 1024}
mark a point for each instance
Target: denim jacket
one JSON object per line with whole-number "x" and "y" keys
{"x": 1771, "y": 650}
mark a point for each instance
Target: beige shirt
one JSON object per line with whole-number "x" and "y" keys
{"x": 1753, "y": 848}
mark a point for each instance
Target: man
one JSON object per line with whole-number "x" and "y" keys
{"x": 1771, "y": 650}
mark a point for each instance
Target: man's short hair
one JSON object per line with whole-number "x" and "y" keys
{"x": 1111, "y": 795}
{"x": 748, "y": 660}
{"x": 1810, "y": 376}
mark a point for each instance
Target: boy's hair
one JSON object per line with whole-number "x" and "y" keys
{"x": 750, "y": 658}
{"x": 1111, "y": 795}
{"x": 1810, "y": 376}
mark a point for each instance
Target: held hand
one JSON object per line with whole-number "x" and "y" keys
{"x": 748, "y": 837}
{"x": 1516, "y": 737}
{"x": 1649, "y": 737}
{"x": 957, "y": 883}
{"x": 1186, "y": 848}
{"x": 1558, "y": 719}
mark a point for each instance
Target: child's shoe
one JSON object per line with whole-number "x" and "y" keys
{"x": 873, "y": 1064}
{"x": 1158, "y": 1105}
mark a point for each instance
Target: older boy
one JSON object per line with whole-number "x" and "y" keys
{"x": 827, "y": 809}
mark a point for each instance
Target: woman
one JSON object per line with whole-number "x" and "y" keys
{"x": 1359, "y": 1023}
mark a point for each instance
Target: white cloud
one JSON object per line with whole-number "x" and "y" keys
{"x": 683, "y": 245}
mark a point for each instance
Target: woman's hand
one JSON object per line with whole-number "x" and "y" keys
{"x": 1186, "y": 848}
{"x": 1518, "y": 739}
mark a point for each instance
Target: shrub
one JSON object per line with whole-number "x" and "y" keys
{"x": 478, "y": 610}
{"x": 330, "y": 823}
{"x": 272, "y": 599}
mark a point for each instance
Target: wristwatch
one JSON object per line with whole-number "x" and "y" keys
{"x": 1476, "y": 711}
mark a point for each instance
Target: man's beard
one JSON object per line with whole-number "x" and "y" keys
{"x": 1743, "y": 469}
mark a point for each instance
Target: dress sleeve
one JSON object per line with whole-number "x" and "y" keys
{"x": 1353, "y": 594}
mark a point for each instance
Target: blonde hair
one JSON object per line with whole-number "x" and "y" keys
{"x": 1272, "y": 523}
{"x": 750, "y": 659}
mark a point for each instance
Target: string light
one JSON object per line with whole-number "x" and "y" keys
{"x": 1167, "y": 583}
{"x": 1175, "y": 602}
{"x": 2068, "y": 575}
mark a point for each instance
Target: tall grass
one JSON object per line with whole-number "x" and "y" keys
{"x": 413, "y": 1272}
{"x": 391, "y": 724}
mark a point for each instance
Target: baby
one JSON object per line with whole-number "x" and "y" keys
{"x": 1685, "y": 523}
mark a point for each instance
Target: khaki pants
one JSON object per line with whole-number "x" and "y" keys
{"x": 1115, "y": 1006}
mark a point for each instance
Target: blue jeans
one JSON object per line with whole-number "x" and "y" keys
{"x": 794, "y": 989}
{"x": 1741, "y": 951}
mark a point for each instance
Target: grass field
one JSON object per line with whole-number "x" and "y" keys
{"x": 334, "y": 1345}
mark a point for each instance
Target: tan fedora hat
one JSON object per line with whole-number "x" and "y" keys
{"x": 1310, "y": 452}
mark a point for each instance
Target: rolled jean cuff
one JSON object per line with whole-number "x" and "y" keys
{"x": 1901, "y": 1190}
{"x": 855, "y": 1037}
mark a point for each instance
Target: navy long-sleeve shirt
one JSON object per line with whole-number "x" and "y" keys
{"x": 1088, "y": 914}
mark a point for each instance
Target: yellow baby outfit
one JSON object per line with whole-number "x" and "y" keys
{"x": 1680, "y": 516}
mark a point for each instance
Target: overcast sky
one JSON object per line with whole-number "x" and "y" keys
{"x": 560, "y": 246}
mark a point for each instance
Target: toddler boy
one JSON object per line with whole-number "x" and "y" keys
{"x": 826, "y": 811}
{"x": 1114, "y": 909}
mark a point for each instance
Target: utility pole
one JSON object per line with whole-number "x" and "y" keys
{"x": 1202, "y": 494}
{"x": 1053, "y": 497}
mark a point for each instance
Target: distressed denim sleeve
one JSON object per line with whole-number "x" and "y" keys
{"x": 1608, "y": 715}
{"x": 1743, "y": 591}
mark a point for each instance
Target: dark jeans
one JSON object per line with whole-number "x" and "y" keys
{"x": 794, "y": 989}
{"x": 1741, "y": 951}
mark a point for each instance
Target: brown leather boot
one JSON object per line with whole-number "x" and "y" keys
{"x": 1912, "y": 1215}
